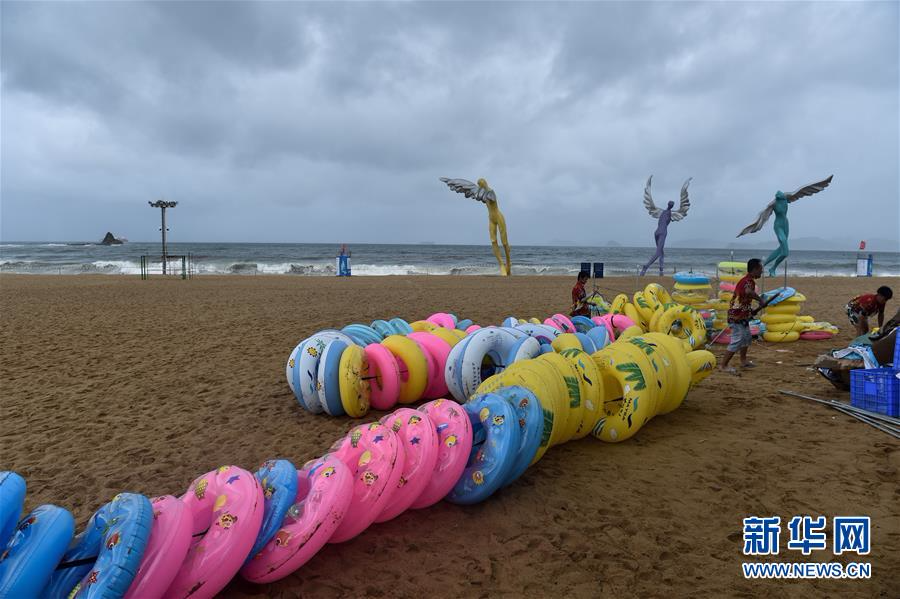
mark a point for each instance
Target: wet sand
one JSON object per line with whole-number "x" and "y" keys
{"x": 114, "y": 384}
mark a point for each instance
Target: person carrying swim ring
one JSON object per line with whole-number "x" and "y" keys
{"x": 861, "y": 307}
{"x": 579, "y": 296}
{"x": 739, "y": 314}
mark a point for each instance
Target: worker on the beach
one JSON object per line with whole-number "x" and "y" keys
{"x": 579, "y": 296}
{"x": 861, "y": 307}
{"x": 740, "y": 311}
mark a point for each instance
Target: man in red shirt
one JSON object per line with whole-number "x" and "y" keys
{"x": 740, "y": 312}
{"x": 861, "y": 307}
{"x": 579, "y": 296}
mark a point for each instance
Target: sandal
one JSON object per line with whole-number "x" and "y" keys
{"x": 730, "y": 370}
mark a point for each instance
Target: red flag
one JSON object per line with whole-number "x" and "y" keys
{"x": 862, "y": 245}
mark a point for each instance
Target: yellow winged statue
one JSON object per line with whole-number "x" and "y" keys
{"x": 481, "y": 192}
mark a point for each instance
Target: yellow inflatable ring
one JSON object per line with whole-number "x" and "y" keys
{"x": 691, "y": 323}
{"x": 565, "y": 341}
{"x": 785, "y": 327}
{"x": 677, "y": 381}
{"x": 535, "y": 382}
{"x": 701, "y": 364}
{"x": 623, "y": 418}
{"x": 632, "y": 313}
{"x": 618, "y": 304}
{"x": 353, "y": 381}
{"x": 643, "y": 307}
{"x": 631, "y": 332}
{"x": 792, "y": 309}
{"x": 695, "y": 287}
{"x": 423, "y": 325}
{"x": 806, "y": 319}
{"x": 658, "y": 292}
{"x": 445, "y": 334}
{"x": 731, "y": 278}
{"x": 591, "y": 390}
{"x": 732, "y": 268}
{"x": 570, "y": 378}
{"x": 797, "y": 298}
{"x": 413, "y": 367}
{"x": 688, "y": 301}
{"x": 777, "y": 318}
{"x": 558, "y": 394}
{"x": 781, "y": 337}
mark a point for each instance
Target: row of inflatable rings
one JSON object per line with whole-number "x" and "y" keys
{"x": 279, "y": 517}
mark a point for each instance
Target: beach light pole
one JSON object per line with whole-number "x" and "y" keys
{"x": 162, "y": 205}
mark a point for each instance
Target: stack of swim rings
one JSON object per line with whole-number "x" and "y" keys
{"x": 346, "y": 371}
{"x": 692, "y": 289}
{"x": 784, "y": 323}
{"x": 781, "y": 316}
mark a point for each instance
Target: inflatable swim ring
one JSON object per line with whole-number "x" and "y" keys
{"x": 328, "y": 379}
{"x": 413, "y": 367}
{"x": 35, "y": 548}
{"x": 531, "y": 425}
{"x": 454, "y": 444}
{"x": 324, "y": 490}
{"x": 354, "y": 388}
{"x": 372, "y": 453}
{"x": 624, "y": 377}
{"x": 781, "y": 337}
{"x": 112, "y": 543}
{"x": 307, "y": 367}
{"x": 418, "y": 439}
{"x": 12, "y": 498}
{"x": 482, "y": 357}
{"x": 778, "y": 295}
{"x": 495, "y": 444}
{"x": 591, "y": 390}
{"x": 170, "y": 539}
{"x": 384, "y": 373}
{"x": 278, "y": 480}
{"x": 690, "y": 278}
{"x": 226, "y": 506}
{"x": 361, "y": 334}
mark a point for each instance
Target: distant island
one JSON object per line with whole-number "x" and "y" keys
{"x": 110, "y": 239}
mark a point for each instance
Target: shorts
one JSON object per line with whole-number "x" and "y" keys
{"x": 740, "y": 336}
{"x": 853, "y": 315}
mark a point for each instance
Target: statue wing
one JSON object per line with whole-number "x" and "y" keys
{"x": 808, "y": 190}
{"x": 466, "y": 187}
{"x": 648, "y": 200}
{"x": 760, "y": 220}
{"x": 685, "y": 204}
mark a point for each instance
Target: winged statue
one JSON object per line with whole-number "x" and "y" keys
{"x": 482, "y": 192}
{"x": 664, "y": 216}
{"x": 779, "y": 207}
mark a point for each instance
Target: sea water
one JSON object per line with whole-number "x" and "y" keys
{"x": 301, "y": 259}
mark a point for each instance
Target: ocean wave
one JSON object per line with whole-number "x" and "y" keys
{"x": 13, "y": 264}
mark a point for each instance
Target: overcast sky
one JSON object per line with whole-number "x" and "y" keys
{"x": 291, "y": 122}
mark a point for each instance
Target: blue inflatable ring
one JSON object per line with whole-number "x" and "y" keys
{"x": 496, "y": 439}
{"x": 779, "y": 294}
{"x": 523, "y": 349}
{"x": 531, "y": 422}
{"x": 384, "y": 328}
{"x": 583, "y": 324}
{"x": 37, "y": 544}
{"x": 464, "y": 324}
{"x": 690, "y": 278}
{"x": 12, "y": 498}
{"x": 328, "y": 380}
{"x": 117, "y": 536}
{"x": 278, "y": 479}
{"x": 600, "y": 337}
{"x": 362, "y": 334}
{"x": 587, "y": 344}
{"x": 401, "y": 326}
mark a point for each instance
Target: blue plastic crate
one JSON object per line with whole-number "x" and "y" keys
{"x": 897, "y": 349}
{"x": 876, "y": 390}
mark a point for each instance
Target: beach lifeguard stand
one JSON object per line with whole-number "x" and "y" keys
{"x": 863, "y": 263}
{"x": 343, "y": 262}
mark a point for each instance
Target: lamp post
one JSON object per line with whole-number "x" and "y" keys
{"x": 162, "y": 205}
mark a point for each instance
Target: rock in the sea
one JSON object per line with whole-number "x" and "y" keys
{"x": 111, "y": 240}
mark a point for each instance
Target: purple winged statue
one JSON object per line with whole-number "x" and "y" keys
{"x": 665, "y": 217}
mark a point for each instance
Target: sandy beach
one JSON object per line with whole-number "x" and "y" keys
{"x": 112, "y": 384}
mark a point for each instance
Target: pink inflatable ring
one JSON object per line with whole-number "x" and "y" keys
{"x": 419, "y": 441}
{"x": 454, "y": 445}
{"x": 373, "y": 454}
{"x": 227, "y": 509}
{"x": 324, "y": 491}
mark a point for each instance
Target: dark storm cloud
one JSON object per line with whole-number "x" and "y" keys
{"x": 329, "y": 121}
